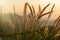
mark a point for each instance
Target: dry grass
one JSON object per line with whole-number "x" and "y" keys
{"x": 42, "y": 11}
{"x": 57, "y": 21}
{"x": 25, "y": 8}
{"x": 29, "y": 27}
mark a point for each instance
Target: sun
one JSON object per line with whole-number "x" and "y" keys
{"x": 1, "y": 2}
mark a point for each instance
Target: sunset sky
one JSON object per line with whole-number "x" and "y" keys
{"x": 7, "y": 5}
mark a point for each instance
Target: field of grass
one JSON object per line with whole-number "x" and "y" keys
{"x": 29, "y": 27}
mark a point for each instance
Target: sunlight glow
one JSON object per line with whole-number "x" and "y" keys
{"x": 55, "y": 1}
{"x": 1, "y": 2}
{"x": 7, "y": 5}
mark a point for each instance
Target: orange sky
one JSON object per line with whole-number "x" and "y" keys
{"x": 7, "y": 5}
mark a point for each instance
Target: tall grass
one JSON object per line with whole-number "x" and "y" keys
{"x": 28, "y": 27}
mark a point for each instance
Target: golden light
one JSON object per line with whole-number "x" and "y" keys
{"x": 1, "y": 2}
{"x": 55, "y": 1}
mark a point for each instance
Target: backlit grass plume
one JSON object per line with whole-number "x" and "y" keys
{"x": 29, "y": 27}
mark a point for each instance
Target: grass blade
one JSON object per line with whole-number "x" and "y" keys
{"x": 43, "y": 11}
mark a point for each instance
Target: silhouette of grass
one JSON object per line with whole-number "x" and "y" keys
{"x": 28, "y": 27}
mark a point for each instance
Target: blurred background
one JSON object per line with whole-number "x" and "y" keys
{"x": 7, "y": 6}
